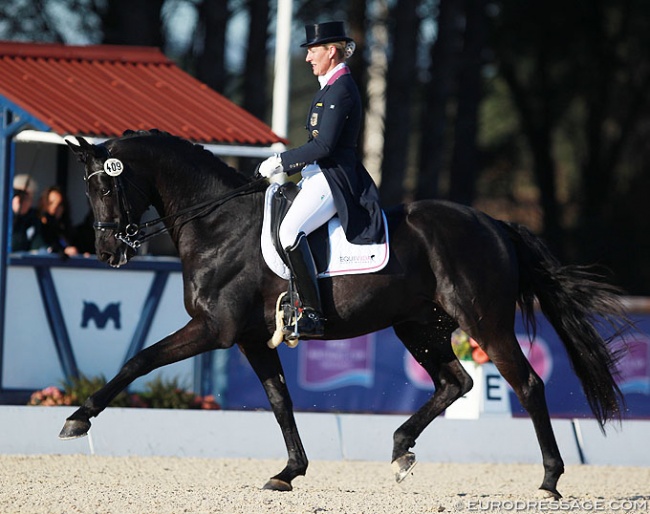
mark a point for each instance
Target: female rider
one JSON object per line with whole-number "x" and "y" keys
{"x": 333, "y": 179}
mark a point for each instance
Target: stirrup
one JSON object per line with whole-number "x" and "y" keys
{"x": 293, "y": 323}
{"x": 285, "y": 321}
{"x": 310, "y": 325}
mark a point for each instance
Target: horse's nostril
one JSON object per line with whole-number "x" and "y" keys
{"x": 105, "y": 256}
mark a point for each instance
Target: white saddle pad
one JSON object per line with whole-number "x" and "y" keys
{"x": 345, "y": 258}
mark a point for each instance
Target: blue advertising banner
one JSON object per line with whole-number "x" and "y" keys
{"x": 374, "y": 373}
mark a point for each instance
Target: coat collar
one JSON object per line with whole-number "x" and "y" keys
{"x": 331, "y": 76}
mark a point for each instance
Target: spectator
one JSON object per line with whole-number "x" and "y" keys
{"x": 54, "y": 216}
{"x": 84, "y": 235}
{"x": 26, "y": 228}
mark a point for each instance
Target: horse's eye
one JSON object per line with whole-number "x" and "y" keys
{"x": 105, "y": 191}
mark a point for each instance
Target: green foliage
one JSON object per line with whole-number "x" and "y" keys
{"x": 466, "y": 349}
{"x": 158, "y": 394}
{"x": 461, "y": 345}
{"x": 78, "y": 389}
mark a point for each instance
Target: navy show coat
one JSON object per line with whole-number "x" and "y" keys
{"x": 333, "y": 124}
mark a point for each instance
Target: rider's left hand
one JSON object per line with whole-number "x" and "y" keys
{"x": 271, "y": 166}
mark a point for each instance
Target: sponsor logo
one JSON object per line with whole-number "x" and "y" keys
{"x": 356, "y": 259}
{"x": 91, "y": 312}
{"x": 634, "y": 366}
{"x": 538, "y": 354}
{"x": 327, "y": 365}
{"x": 416, "y": 374}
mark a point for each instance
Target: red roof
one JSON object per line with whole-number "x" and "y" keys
{"x": 103, "y": 90}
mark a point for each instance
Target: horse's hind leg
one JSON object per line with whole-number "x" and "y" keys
{"x": 509, "y": 359}
{"x": 430, "y": 345}
{"x": 266, "y": 364}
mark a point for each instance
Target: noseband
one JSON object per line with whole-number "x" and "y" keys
{"x": 133, "y": 234}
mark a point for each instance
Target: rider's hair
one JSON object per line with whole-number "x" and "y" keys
{"x": 343, "y": 49}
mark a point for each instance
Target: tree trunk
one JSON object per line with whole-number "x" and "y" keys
{"x": 437, "y": 92}
{"x": 255, "y": 74}
{"x": 399, "y": 89}
{"x": 255, "y": 88}
{"x": 374, "y": 120}
{"x": 357, "y": 63}
{"x": 465, "y": 162}
{"x": 210, "y": 43}
{"x": 538, "y": 128}
{"x": 134, "y": 22}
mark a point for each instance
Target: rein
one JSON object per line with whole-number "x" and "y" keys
{"x": 134, "y": 233}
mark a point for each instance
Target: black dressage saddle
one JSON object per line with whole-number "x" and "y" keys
{"x": 318, "y": 240}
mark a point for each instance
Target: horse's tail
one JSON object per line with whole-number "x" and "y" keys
{"x": 577, "y": 303}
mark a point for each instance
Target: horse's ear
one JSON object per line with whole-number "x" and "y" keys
{"x": 84, "y": 150}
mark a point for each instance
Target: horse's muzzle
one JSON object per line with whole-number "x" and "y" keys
{"x": 115, "y": 259}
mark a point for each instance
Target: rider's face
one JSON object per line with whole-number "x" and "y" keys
{"x": 321, "y": 58}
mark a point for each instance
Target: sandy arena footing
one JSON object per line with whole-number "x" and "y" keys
{"x": 51, "y": 484}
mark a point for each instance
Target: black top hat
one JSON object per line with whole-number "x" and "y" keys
{"x": 327, "y": 32}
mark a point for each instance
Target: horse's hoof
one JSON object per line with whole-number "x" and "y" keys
{"x": 74, "y": 428}
{"x": 275, "y": 484}
{"x": 403, "y": 465}
{"x": 545, "y": 494}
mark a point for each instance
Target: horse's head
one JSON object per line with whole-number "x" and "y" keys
{"x": 115, "y": 198}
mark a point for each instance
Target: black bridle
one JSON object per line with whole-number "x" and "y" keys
{"x": 134, "y": 234}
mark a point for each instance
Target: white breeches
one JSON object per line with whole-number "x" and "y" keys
{"x": 312, "y": 207}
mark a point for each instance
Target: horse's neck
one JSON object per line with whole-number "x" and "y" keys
{"x": 176, "y": 192}
{"x": 218, "y": 218}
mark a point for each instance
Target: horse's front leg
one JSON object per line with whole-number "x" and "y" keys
{"x": 190, "y": 340}
{"x": 268, "y": 368}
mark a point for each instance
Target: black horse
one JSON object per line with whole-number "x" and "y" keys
{"x": 450, "y": 266}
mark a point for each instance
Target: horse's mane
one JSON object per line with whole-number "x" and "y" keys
{"x": 200, "y": 157}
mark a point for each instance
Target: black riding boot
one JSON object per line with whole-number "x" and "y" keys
{"x": 303, "y": 268}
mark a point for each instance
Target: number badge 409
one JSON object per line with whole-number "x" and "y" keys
{"x": 113, "y": 167}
